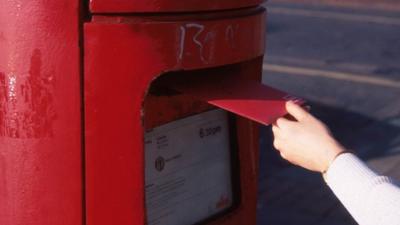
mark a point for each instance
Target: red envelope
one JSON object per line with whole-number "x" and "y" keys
{"x": 247, "y": 98}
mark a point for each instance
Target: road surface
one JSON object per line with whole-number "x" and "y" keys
{"x": 346, "y": 62}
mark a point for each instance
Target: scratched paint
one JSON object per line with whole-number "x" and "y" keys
{"x": 26, "y": 102}
{"x": 202, "y": 38}
{"x": 230, "y": 33}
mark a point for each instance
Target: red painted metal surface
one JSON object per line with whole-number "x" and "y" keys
{"x": 118, "y": 6}
{"x": 40, "y": 119}
{"x": 123, "y": 56}
{"x": 247, "y": 98}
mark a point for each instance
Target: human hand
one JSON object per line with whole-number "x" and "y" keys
{"x": 306, "y": 142}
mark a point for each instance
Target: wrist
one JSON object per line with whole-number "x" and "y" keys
{"x": 332, "y": 154}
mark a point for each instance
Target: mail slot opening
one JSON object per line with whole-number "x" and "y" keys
{"x": 191, "y": 156}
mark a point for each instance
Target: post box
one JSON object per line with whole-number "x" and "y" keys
{"x": 132, "y": 112}
{"x": 172, "y": 90}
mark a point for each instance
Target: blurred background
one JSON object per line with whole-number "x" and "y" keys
{"x": 344, "y": 58}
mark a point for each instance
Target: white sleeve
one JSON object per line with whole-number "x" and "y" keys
{"x": 371, "y": 199}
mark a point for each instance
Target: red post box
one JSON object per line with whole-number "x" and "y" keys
{"x": 158, "y": 149}
{"x": 162, "y": 98}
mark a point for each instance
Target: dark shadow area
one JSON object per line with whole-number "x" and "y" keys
{"x": 274, "y": 27}
{"x": 369, "y": 138}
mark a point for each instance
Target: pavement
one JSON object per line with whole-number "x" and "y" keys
{"x": 387, "y": 5}
{"x": 345, "y": 61}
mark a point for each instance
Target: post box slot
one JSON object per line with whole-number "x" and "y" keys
{"x": 227, "y": 90}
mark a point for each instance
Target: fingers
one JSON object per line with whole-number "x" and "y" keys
{"x": 278, "y": 146}
{"x": 283, "y": 155}
{"x": 278, "y": 143}
{"x": 279, "y": 129}
{"x": 296, "y": 111}
{"x": 283, "y": 123}
{"x": 275, "y": 130}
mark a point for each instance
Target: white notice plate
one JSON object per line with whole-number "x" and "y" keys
{"x": 188, "y": 169}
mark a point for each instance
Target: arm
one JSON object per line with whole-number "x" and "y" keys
{"x": 371, "y": 199}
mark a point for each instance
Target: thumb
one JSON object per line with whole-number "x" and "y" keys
{"x": 296, "y": 111}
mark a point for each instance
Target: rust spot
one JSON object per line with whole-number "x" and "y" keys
{"x": 27, "y": 102}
